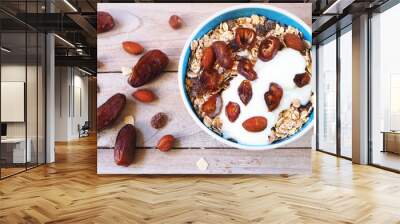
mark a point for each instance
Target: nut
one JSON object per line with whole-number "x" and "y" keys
{"x": 268, "y": 48}
{"x": 245, "y": 68}
{"x": 212, "y": 107}
{"x": 149, "y": 66}
{"x": 255, "y": 124}
{"x": 273, "y": 96}
{"x": 293, "y": 41}
{"x": 159, "y": 120}
{"x": 223, "y": 54}
{"x": 302, "y": 79}
{"x": 245, "y": 92}
{"x": 105, "y": 22}
{"x": 175, "y": 22}
{"x": 132, "y": 47}
{"x": 125, "y": 145}
{"x": 245, "y": 37}
{"x": 109, "y": 111}
{"x": 165, "y": 143}
{"x": 144, "y": 95}
{"x": 208, "y": 59}
{"x": 232, "y": 111}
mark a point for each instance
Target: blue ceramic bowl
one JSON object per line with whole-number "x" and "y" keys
{"x": 279, "y": 15}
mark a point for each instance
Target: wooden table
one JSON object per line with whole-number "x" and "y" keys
{"x": 391, "y": 141}
{"x": 148, "y": 24}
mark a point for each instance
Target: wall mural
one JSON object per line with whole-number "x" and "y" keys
{"x": 204, "y": 89}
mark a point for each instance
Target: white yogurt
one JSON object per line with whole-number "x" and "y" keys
{"x": 281, "y": 69}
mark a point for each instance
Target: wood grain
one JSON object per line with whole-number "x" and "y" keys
{"x": 147, "y": 23}
{"x": 70, "y": 191}
{"x": 220, "y": 161}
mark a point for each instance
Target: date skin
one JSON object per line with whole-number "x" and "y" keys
{"x": 125, "y": 145}
{"x": 105, "y": 22}
{"x": 245, "y": 68}
{"x": 273, "y": 96}
{"x": 149, "y": 66}
{"x": 110, "y": 110}
{"x": 223, "y": 54}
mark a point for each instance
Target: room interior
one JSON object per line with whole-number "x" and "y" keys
{"x": 48, "y": 93}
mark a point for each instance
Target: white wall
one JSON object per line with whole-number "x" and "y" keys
{"x": 70, "y": 84}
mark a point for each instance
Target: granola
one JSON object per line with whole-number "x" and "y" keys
{"x": 232, "y": 49}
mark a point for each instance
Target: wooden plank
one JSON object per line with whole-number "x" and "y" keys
{"x": 220, "y": 161}
{"x": 169, "y": 101}
{"x": 147, "y": 23}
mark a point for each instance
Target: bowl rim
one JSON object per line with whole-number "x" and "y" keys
{"x": 188, "y": 104}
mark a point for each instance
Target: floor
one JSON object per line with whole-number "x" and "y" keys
{"x": 69, "y": 191}
{"x": 387, "y": 159}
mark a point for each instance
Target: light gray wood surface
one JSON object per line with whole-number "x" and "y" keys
{"x": 148, "y": 25}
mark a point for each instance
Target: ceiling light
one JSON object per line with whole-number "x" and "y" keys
{"x": 64, "y": 40}
{"x": 337, "y": 7}
{"x": 84, "y": 71}
{"x": 5, "y": 50}
{"x": 70, "y": 5}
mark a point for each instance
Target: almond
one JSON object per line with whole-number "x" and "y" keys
{"x": 165, "y": 143}
{"x": 293, "y": 41}
{"x": 144, "y": 95}
{"x": 255, "y": 124}
{"x": 232, "y": 111}
{"x": 132, "y": 47}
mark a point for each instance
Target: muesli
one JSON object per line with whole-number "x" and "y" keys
{"x": 249, "y": 80}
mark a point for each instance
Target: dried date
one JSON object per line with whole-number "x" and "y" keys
{"x": 149, "y": 66}
{"x": 245, "y": 68}
{"x": 245, "y": 92}
{"x": 125, "y": 145}
{"x": 273, "y": 96}
{"x": 108, "y": 112}
{"x": 223, "y": 54}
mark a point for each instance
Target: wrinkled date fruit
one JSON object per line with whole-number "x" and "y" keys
{"x": 245, "y": 68}
{"x": 223, "y": 54}
{"x": 144, "y": 95}
{"x": 302, "y": 79}
{"x": 245, "y": 92}
{"x": 273, "y": 96}
{"x": 149, "y": 66}
{"x": 268, "y": 48}
{"x": 105, "y": 22}
{"x": 255, "y": 124}
{"x": 293, "y": 41}
{"x": 210, "y": 80}
{"x": 125, "y": 145}
{"x": 132, "y": 47}
{"x": 232, "y": 111}
{"x": 165, "y": 143}
{"x": 110, "y": 110}
{"x": 175, "y": 22}
{"x": 159, "y": 120}
{"x": 208, "y": 59}
{"x": 245, "y": 37}
{"x": 212, "y": 107}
